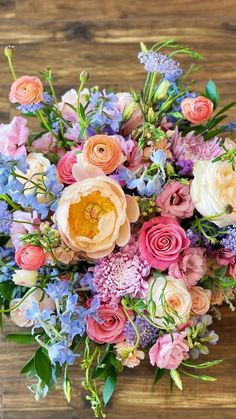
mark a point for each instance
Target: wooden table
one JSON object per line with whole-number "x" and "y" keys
{"x": 102, "y": 37}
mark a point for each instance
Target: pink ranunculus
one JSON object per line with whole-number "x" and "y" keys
{"x": 201, "y": 300}
{"x": 26, "y": 90}
{"x": 64, "y": 168}
{"x": 25, "y": 222}
{"x": 46, "y": 144}
{"x": 169, "y": 351}
{"x": 197, "y": 110}
{"x": 13, "y": 137}
{"x": 161, "y": 240}
{"x": 125, "y": 99}
{"x": 175, "y": 200}
{"x": 191, "y": 266}
{"x": 30, "y": 257}
{"x": 111, "y": 329}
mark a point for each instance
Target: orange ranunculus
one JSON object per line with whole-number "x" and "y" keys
{"x": 26, "y": 90}
{"x": 197, "y": 110}
{"x": 104, "y": 151}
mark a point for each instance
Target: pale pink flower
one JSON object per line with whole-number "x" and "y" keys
{"x": 125, "y": 99}
{"x": 169, "y": 351}
{"x": 46, "y": 144}
{"x": 13, "y": 137}
{"x": 24, "y": 223}
{"x": 190, "y": 267}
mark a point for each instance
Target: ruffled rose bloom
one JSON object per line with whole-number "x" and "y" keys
{"x": 125, "y": 100}
{"x": 175, "y": 200}
{"x": 197, "y": 110}
{"x": 127, "y": 355}
{"x": 13, "y": 137}
{"x": 111, "y": 329}
{"x": 177, "y": 298}
{"x": 27, "y": 224}
{"x": 18, "y": 316}
{"x": 169, "y": 351}
{"x": 26, "y": 90}
{"x": 104, "y": 151}
{"x": 30, "y": 257}
{"x": 46, "y": 144}
{"x": 25, "y": 278}
{"x": 213, "y": 191}
{"x": 94, "y": 214}
{"x": 64, "y": 168}
{"x": 191, "y": 266}
{"x": 201, "y": 300}
{"x": 161, "y": 240}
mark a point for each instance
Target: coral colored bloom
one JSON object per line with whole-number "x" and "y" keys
{"x": 30, "y": 257}
{"x": 197, "y": 110}
{"x": 104, "y": 151}
{"x": 191, "y": 266}
{"x": 13, "y": 137}
{"x": 111, "y": 327}
{"x": 201, "y": 300}
{"x": 64, "y": 168}
{"x": 161, "y": 240}
{"x": 169, "y": 351}
{"x": 93, "y": 215}
{"x": 26, "y": 90}
{"x": 175, "y": 200}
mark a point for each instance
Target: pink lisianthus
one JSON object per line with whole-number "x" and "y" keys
{"x": 125, "y": 99}
{"x": 65, "y": 166}
{"x": 111, "y": 327}
{"x": 175, "y": 200}
{"x": 24, "y": 223}
{"x": 30, "y": 257}
{"x": 161, "y": 240}
{"x": 69, "y": 98}
{"x": 169, "y": 351}
{"x": 191, "y": 266}
{"x": 13, "y": 137}
{"x": 46, "y": 144}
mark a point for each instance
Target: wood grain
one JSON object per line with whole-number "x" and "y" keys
{"x": 102, "y": 37}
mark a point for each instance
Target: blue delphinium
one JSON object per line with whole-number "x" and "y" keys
{"x": 229, "y": 241}
{"x": 5, "y": 218}
{"x": 7, "y": 263}
{"x": 160, "y": 63}
{"x": 104, "y": 111}
{"x": 31, "y": 108}
{"x": 59, "y": 352}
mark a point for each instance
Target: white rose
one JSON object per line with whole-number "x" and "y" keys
{"x": 176, "y": 297}
{"x": 213, "y": 189}
{"x": 25, "y": 278}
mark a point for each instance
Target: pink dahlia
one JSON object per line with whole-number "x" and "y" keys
{"x": 193, "y": 147}
{"x": 122, "y": 273}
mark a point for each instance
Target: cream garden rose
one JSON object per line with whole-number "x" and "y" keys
{"x": 213, "y": 189}
{"x": 94, "y": 214}
{"x": 174, "y": 294}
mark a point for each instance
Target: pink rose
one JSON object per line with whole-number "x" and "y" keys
{"x": 13, "y": 137}
{"x": 30, "y": 257}
{"x": 169, "y": 351}
{"x": 175, "y": 200}
{"x": 201, "y": 300}
{"x": 161, "y": 240}
{"x": 197, "y": 110}
{"x": 191, "y": 266}
{"x": 125, "y": 99}
{"x": 111, "y": 330}
{"x": 25, "y": 224}
{"x": 26, "y": 90}
{"x": 65, "y": 166}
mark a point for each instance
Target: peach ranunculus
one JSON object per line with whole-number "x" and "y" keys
{"x": 26, "y": 90}
{"x": 201, "y": 300}
{"x": 104, "y": 151}
{"x": 94, "y": 214}
{"x": 213, "y": 191}
{"x": 175, "y": 295}
{"x": 197, "y": 110}
{"x": 30, "y": 257}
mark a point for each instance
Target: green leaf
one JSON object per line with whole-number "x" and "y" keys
{"x": 212, "y": 92}
{"x": 23, "y": 338}
{"x": 43, "y": 366}
{"x": 29, "y": 368}
{"x": 225, "y": 108}
{"x": 175, "y": 375}
{"x": 203, "y": 365}
{"x": 6, "y": 290}
{"x": 159, "y": 374}
{"x": 109, "y": 386}
{"x": 214, "y": 132}
{"x": 67, "y": 389}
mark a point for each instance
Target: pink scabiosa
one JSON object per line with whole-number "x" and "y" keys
{"x": 122, "y": 273}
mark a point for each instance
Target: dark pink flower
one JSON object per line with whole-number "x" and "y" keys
{"x": 175, "y": 200}
{"x": 65, "y": 166}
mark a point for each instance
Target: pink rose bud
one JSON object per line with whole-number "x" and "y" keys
{"x": 25, "y": 278}
{"x": 169, "y": 351}
{"x": 30, "y": 257}
{"x": 26, "y": 90}
{"x": 65, "y": 166}
{"x": 197, "y": 110}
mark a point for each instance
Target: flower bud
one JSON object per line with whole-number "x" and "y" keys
{"x": 84, "y": 76}
{"x": 152, "y": 309}
{"x": 128, "y": 111}
{"x": 25, "y": 278}
{"x": 162, "y": 90}
{"x": 9, "y": 51}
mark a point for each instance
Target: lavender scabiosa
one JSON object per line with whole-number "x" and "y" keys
{"x": 193, "y": 236}
{"x": 185, "y": 167}
{"x": 229, "y": 241}
{"x": 160, "y": 63}
{"x": 147, "y": 332}
{"x": 5, "y": 218}
{"x": 199, "y": 335}
{"x": 121, "y": 273}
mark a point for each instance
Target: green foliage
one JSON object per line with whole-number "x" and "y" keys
{"x": 43, "y": 366}
{"x": 160, "y": 372}
{"x": 22, "y": 338}
{"x": 212, "y": 92}
{"x": 109, "y": 386}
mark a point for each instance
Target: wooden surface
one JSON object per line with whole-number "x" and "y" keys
{"x": 102, "y": 37}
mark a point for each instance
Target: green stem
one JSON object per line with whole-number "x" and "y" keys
{"x": 10, "y": 202}
{"x": 133, "y": 325}
{"x": 43, "y": 120}
{"x": 11, "y": 68}
{"x": 56, "y": 102}
{"x": 8, "y": 310}
{"x": 152, "y": 85}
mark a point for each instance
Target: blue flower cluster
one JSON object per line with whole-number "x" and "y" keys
{"x": 5, "y": 218}
{"x": 7, "y": 263}
{"x": 229, "y": 242}
{"x": 105, "y": 112}
{"x": 160, "y": 63}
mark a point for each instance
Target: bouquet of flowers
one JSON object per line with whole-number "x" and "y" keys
{"x": 118, "y": 225}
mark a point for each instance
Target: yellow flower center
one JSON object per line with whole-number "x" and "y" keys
{"x": 85, "y": 214}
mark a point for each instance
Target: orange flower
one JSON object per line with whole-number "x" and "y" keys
{"x": 26, "y": 90}
{"x": 104, "y": 151}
